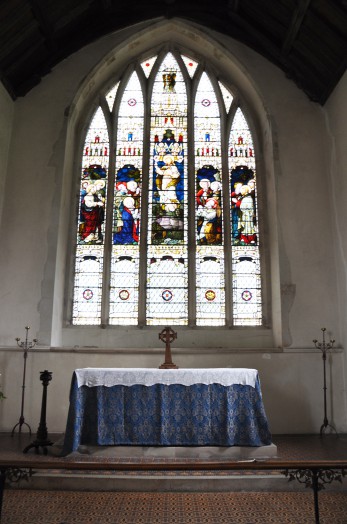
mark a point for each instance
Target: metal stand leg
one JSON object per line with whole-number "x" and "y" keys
{"x": 315, "y": 495}
{"x": 315, "y": 479}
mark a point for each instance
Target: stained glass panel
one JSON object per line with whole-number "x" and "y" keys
{"x": 124, "y": 292}
{"x": 210, "y": 303}
{"x": 88, "y": 285}
{"x": 246, "y": 287}
{"x": 147, "y": 65}
{"x": 126, "y": 205}
{"x": 111, "y": 96}
{"x": 227, "y": 96}
{"x": 190, "y": 64}
{"x": 169, "y": 148}
{"x": 167, "y": 281}
{"x": 242, "y": 183}
{"x": 168, "y": 196}
{"x": 91, "y": 214}
{"x": 244, "y": 225}
{"x": 210, "y": 309}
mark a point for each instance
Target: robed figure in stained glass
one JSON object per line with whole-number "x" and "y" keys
{"x": 208, "y": 206}
{"x": 167, "y": 226}
{"x": 243, "y": 206}
{"x": 92, "y": 212}
{"x": 126, "y": 221}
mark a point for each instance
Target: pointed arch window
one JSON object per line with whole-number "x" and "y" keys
{"x": 167, "y": 223}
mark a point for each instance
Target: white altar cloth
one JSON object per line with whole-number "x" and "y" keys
{"x": 109, "y": 377}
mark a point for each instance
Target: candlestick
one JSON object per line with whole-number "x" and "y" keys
{"x": 26, "y": 345}
{"x": 42, "y": 440}
{"x": 324, "y": 347}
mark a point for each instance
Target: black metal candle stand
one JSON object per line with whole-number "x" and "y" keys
{"x": 42, "y": 440}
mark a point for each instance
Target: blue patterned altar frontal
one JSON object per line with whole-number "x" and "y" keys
{"x": 162, "y": 415}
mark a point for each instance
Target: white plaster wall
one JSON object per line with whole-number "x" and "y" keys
{"x": 305, "y": 231}
{"x": 6, "y": 120}
{"x": 298, "y": 194}
{"x": 336, "y": 117}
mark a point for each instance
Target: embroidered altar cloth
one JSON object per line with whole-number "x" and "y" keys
{"x": 109, "y": 377}
{"x": 176, "y": 407}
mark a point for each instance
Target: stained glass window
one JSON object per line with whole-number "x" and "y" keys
{"x": 168, "y": 232}
{"x": 91, "y": 225}
{"x": 127, "y": 206}
{"x": 208, "y": 207}
{"x": 167, "y": 284}
{"x": 246, "y": 281}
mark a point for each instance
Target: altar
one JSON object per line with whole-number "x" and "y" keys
{"x": 165, "y": 407}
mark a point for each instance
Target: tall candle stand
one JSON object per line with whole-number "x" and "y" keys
{"x": 42, "y": 440}
{"x": 324, "y": 347}
{"x": 26, "y": 345}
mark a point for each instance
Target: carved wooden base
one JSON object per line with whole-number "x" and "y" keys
{"x": 168, "y": 365}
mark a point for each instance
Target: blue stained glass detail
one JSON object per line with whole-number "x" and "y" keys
{"x": 127, "y": 205}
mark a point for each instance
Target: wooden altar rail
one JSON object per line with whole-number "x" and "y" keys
{"x": 312, "y": 473}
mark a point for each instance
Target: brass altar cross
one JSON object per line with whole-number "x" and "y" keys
{"x": 167, "y": 336}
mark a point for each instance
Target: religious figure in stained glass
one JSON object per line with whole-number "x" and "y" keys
{"x": 168, "y": 160}
{"x": 127, "y": 205}
{"x": 243, "y": 206}
{"x": 208, "y": 206}
{"x": 92, "y": 212}
{"x": 169, "y": 81}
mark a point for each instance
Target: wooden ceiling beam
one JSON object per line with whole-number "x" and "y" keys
{"x": 45, "y": 26}
{"x": 252, "y": 34}
{"x": 233, "y": 5}
{"x": 296, "y": 23}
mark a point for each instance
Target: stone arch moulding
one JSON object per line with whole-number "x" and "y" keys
{"x": 175, "y": 33}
